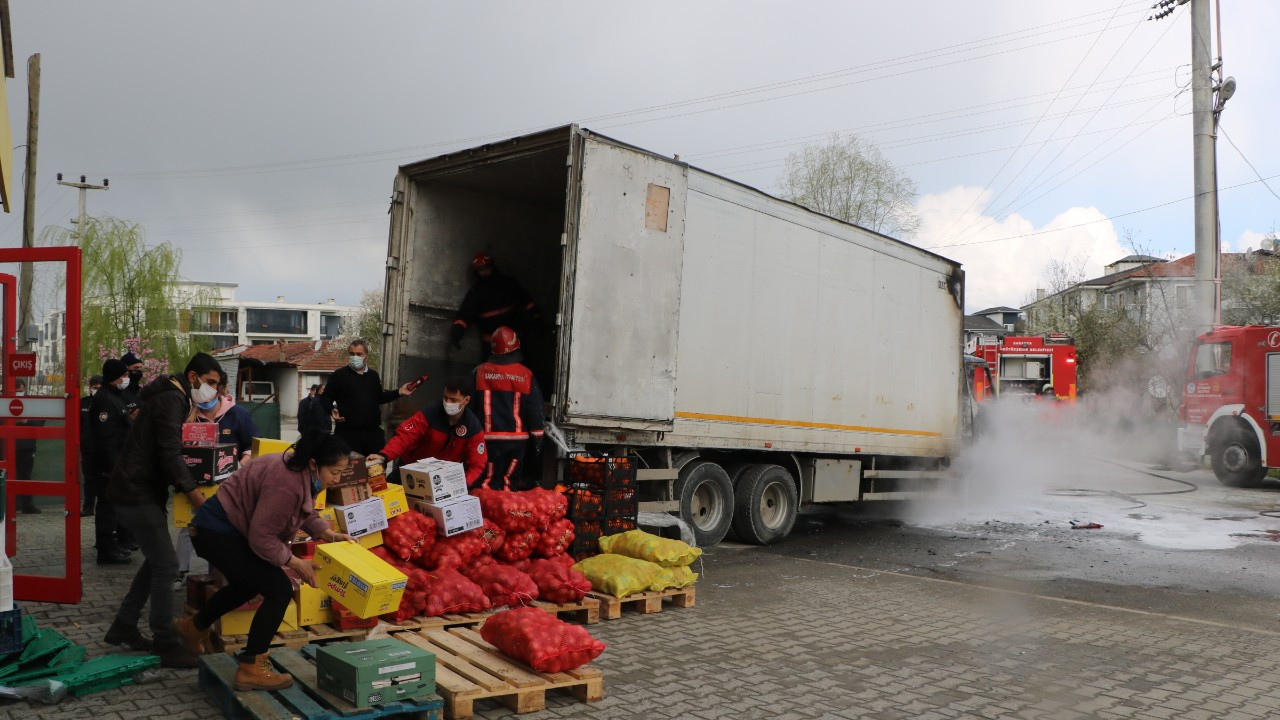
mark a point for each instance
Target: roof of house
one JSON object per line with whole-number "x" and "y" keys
{"x": 981, "y": 322}
{"x": 1000, "y": 309}
{"x": 1138, "y": 258}
{"x": 310, "y": 355}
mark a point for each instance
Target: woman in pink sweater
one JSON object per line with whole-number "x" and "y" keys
{"x": 245, "y": 531}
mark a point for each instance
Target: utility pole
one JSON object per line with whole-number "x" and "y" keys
{"x": 1207, "y": 100}
{"x": 84, "y": 188}
{"x": 26, "y": 273}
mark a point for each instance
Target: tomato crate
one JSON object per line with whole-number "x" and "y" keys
{"x": 602, "y": 472}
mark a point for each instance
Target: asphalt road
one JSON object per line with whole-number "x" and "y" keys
{"x": 1204, "y": 553}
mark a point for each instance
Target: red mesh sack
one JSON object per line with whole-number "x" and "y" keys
{"x": 451, "y": 592}
{"x": 541, "y": 640}
{"x": 453, "y": 552}
{"x": 518, "y": 546}
{"x": 555, "y": 540}
{"x": 492, "y": 536}
{"x": 414, "y": 601}
{"x": 505, "y": 585}
{"x": 409, "y": 535}
{"x": 557, "y": 582}
{"x": 565, "y": 560}
{"x": 521, "y": 565}
{"x": 511, "y": 511}
{"x": 384, "y": 554}
{"x": 548, "y": 506}
{"x": 477, "y": 563}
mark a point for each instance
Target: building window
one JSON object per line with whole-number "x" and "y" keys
{"x": 330, "y": 326}
{"x": 223, "y": 341}
{"x": 1182, "y": 294}
{"x": 277, "y": 322}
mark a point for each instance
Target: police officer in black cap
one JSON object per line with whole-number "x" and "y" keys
{"x": 133, "y": 393}
{"x": 109, "y": 424}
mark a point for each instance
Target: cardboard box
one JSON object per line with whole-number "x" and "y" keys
{"x": 314, "y": 607}
{"x": 377, "y": 474}
{"x": 435, "y": 481}
{"x": 330, "y": 514}
{"x": 182, "y": 510}
{"x": 364, "y": 583}
{"x": 356, "y": 470}
{"x": 322, "y": 499}
{"x": 370, "y": 541}
{"x": 376, "y": 671}
{"x": 348, "y": 493}
{"x": 394, "y": 500}
{"x": 237, "y": 621}
{"x": 200, "y": 433}
{"x": 210, "y": 464}
{"x": 453, "y": 517}
{"x": 267, "y": 446}
{"x": 362, "y": 518}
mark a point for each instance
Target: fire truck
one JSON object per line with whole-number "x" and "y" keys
{"x": 1231, "y": 403}
{"x": 1025, "y": 364}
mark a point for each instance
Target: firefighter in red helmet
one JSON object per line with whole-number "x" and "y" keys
{"x": 495, "y": 300}
{"x": 510, "y": 405}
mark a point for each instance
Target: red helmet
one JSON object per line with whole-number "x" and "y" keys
{"x": 504, "y": 341}
{"x": 482, "y": 260}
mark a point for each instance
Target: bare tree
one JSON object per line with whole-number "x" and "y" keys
{"x": 849, "y": 179}
{"x": 366, "y": 322}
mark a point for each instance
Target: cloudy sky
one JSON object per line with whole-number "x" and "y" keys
{"x": 262, "y": 138}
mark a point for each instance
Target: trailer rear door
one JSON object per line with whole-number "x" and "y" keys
{"x": 626, "y": 288}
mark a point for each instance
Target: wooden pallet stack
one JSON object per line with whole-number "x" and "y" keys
{"x": 645, "y": 603}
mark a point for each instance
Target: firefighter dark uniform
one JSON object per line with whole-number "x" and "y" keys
{"x": 511, "y": 405}
{"x": 109, "y": 425}
{"x": 496, "y": 300}
{"x": 429, "y": 434}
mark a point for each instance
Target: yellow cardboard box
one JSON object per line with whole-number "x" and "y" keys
{"x": 365, "y": 584}
{"x": 321, "y": 499}
{"x": 182, "y": 510}
{"x": 394, "y": 500}
{"x": 331, "y": 515}
{"x": 267, "y": 446}
{"x": 314, "y": 607}
{"x": 237, "y": 622}
{"x": 371, "y": 540}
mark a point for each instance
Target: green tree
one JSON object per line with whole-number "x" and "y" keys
{"x": 130, "y": 290}
{"x": 366, "y": 323}
{"x": 849, "y": 179}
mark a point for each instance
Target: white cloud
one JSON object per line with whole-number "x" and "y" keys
{"x": 1248, "y": 240}
{"x": 1007, "y": 272}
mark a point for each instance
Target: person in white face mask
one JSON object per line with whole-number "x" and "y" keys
{"x": 354, "y": 396}
{"x": 444, "y": 430}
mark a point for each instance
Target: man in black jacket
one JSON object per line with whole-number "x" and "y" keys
{"x": 88, "y": 500}
{"x": 307, "y": 411}
{"x": 149, "y": 465}
{"x": 109, "y": 424}
{"x": 354, "y": 395}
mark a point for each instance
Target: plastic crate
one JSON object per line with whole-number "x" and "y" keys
{"x": 11, "y": 635}
{"x": 605, "y": 472}
{"x": 585, "y": 503}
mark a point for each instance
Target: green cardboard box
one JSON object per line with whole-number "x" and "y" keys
{"x": 376, "y": 672}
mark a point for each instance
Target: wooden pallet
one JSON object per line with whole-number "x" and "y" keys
{"x": 469, "y": 669}
{"x": 304, "y": 701}
{"x": 586, "y": 611}
{"x": 645, "y": 602}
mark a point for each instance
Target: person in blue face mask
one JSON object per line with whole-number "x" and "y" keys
{"x": 354, "y": 397}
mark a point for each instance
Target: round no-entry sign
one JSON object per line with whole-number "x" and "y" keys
{"x": 15, "y": 407}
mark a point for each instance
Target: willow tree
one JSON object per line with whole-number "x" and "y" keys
{"x": 849, "y": 179}
{"x": 131, "y": 290}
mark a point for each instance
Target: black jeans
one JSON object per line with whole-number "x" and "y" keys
{"x": 154, "y": 581}
{"x": 105, "y": 520}
{"x": 503, "y": 470}
{"x": 362, "y": 440}
{"x": 247, "y": 575}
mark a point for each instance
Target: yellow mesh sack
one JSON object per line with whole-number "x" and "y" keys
{"x": 641, "y": 545}
{"x": 619, "y": 575}
{"x": 676, "y": 577}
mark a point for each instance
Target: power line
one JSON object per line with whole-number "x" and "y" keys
{"x": 1223, "y": 130}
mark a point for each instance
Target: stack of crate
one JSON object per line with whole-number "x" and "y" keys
{"x": 602, "y": 500}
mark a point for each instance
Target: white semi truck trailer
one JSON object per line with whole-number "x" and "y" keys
{"x": 754, "y": 356}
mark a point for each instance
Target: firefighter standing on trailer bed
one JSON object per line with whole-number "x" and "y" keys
{"x": 510, "y": 404}
{"x": 496, "y": 300}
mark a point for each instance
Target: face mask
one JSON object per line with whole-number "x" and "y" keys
{"x": 124, "y": 383}
{"x": 92, "y": 393}
{"x": 316, "y": 484}
{"x": 355, "y": 361}
{"x": 204, "y": 394}
{"x": 452, "y": 408}
{"x": 208, "y": 405}
{"x": 135, "y": 377}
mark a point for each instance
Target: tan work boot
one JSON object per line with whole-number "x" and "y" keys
{"x": 195, "y": 640}
{"x": 259, "y": 675}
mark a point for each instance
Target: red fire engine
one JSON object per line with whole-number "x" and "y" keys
{"x": 1231, "y": 403}
{"x": 1025, "y": 365}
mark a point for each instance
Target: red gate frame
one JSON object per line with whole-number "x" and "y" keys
{"x": 40, "y": 588}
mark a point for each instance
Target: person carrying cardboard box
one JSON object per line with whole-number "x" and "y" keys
{"x": 245, "y": 532}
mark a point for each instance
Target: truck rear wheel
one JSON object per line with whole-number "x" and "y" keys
{"x": 1237, "y": 461}
{"x": 765, "y": 505}
{"x": 706, "y": 501}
